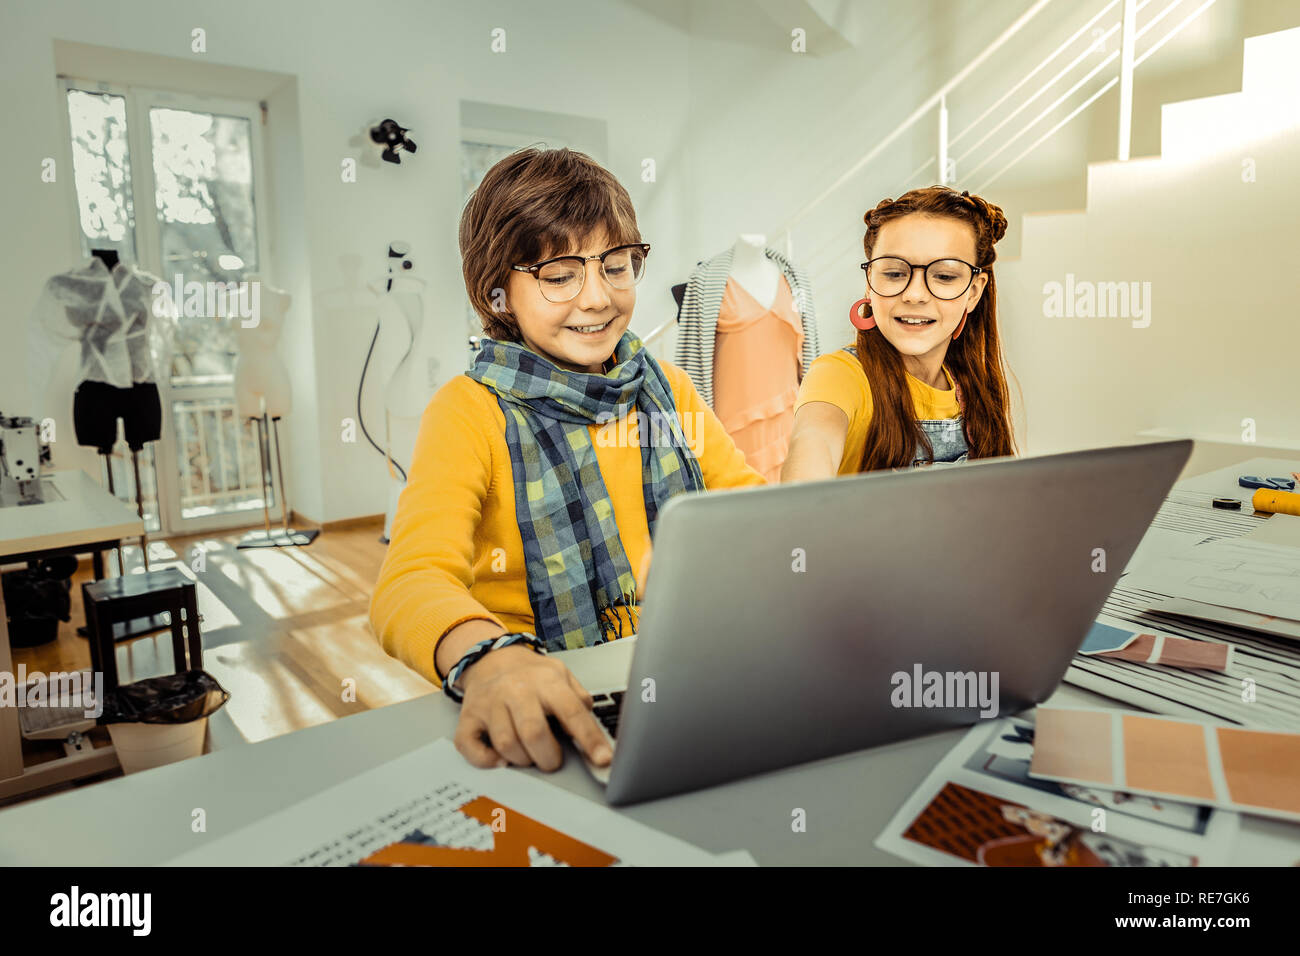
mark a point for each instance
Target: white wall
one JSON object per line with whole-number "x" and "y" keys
{"x": 341, "y": 67}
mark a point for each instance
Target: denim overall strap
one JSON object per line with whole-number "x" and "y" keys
{"x": 947, "y": 436}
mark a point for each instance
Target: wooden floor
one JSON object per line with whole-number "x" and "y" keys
{"x": 284, "y": 630}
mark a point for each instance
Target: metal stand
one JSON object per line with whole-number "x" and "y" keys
{"x": 139, "y": 509}
{"x": 108, "y": 467}
{"x": 392, "y": 473}
{"x": 288, "y": 538}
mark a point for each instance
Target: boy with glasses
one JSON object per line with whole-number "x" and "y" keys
{"x": 538, "y": 474}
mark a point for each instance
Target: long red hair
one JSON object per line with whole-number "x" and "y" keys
{"x": 975, "y": 359}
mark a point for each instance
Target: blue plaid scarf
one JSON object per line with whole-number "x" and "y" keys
{"x": 576, "y": 568}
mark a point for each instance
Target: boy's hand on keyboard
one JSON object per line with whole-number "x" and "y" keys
{"x": 509, "y": 695}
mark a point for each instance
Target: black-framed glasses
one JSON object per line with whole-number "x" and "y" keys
{"x": 945, "y": 278}
{"x": 561, "y": 278}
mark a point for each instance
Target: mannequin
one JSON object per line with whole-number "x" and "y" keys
{"x": 261, "y": 379}
{"x": 759, "y": 338}
{"x": 408, "y": 390}
{"x": 751, "y": 267}
{"x": 708, "y": 285}
{"x": 263, "y": 392}
{"x": 124, "y": 328}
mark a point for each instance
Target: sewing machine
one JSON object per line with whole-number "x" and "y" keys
{"x": 21, "y": 455}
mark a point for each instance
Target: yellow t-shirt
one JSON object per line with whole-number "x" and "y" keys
{"x": 837, "y": 378}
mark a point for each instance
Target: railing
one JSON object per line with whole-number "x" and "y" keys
{"x": 217, "y": 456}
{"x": 829, "y": 253}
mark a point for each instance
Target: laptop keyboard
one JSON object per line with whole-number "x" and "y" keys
{"x": 606, "y": 710}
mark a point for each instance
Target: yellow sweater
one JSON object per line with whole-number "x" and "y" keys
{"x": 456, "y": 553}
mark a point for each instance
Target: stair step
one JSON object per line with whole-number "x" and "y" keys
{"x": 1271, "y": 62}
{"x": 1206, "y": 126}
{"x": 1266, "y": 105}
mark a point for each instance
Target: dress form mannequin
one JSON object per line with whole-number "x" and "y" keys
{"x": 756, "y": 273}
{"x": 110, "y": 259}
{"x": 261, "y": 378}
{"x": 263, "y": 392}
{"x": 756, "y": 352}
{"x": 408, "y": 391}
{"x": 108, "y": 306}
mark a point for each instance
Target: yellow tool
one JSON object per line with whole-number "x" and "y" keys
{"x": 1277, "y": 502}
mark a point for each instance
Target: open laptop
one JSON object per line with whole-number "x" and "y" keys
{"x": 779, "y": 621}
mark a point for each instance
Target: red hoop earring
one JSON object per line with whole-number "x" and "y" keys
{"x": 860, "y": 321}
{"x": 960, "y": 325}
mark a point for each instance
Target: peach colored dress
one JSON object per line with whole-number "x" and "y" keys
{"x": 756, "y": 374}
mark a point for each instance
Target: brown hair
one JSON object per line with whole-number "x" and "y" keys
{"x": 975, "y": 358}
{"x": 534, "y": 204}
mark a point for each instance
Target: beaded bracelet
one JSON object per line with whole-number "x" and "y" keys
{"x": 481, "y": 649}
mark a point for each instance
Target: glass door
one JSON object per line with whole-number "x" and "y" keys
{"x": 198, "y": 169}
{"x": 209, "y": 219}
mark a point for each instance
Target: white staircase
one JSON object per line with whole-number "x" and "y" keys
{"x": 1212, "y": 229}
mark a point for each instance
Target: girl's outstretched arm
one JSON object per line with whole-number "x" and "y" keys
{"x": 816, "y": 443}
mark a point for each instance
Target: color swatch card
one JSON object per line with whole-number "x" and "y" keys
{"x": 980, "y": 807}
{"x": 1255, "y": 771}
{"x": 1149, "y": 647}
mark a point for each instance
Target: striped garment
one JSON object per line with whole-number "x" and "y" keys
{"x": 577, "y": 569}
{"x": 698, "y": 323}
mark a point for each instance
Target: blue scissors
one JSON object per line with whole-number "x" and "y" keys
{"x": 1273, "y": 484}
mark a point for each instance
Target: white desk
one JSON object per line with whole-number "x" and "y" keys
{"x": 848, "y": 799}
{"x": 87, "y": 518}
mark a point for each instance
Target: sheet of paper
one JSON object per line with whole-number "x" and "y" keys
{"x": 1265, "y": 649}
{"x": 1282, "y": 627}
{"x": 1283, "y": 530}
{"x": 1160, "y": 543}
{"x": 1237, "y": 573}
{"x": 1237, "y": 768}
{"x": 1202, "y": 695}
{"x": 431, "y": 808}
{"x": 980, "y": 807}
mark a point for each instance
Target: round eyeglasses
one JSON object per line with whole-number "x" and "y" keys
{"x": 945, "y": 278}
{"x": 562, "y": 278}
